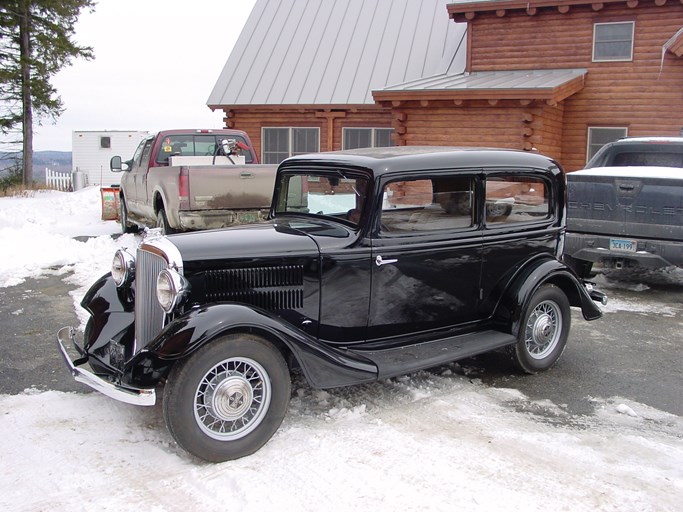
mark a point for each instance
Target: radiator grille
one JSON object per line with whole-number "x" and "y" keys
{"x": 279, "y": 287}
{"x": 149, "y": 317}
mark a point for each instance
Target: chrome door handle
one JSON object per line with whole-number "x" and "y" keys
{"x": 379, "y": 261}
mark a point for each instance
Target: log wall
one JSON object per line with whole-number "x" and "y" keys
{"x": 644, "y": 95}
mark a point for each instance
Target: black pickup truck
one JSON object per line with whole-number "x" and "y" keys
{"x": 625, "y": 209}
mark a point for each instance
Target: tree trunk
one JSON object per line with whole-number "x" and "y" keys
{"x": 26, "y": 101}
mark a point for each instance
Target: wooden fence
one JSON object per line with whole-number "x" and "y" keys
{"x": 58, "y": 180}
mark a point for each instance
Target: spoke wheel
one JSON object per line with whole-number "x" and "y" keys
{"x": 543, "y": 335}
{"x": 232, "y": 398}
{"x": 226, "y": 400}
{"x": 543, "y": 329}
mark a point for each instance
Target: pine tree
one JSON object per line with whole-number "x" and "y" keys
{"x": 36, "y": 41}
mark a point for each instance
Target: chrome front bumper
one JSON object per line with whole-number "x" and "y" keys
{"x": 133, "y": 396}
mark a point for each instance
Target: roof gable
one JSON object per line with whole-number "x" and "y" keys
{"x": 297, "y": 52}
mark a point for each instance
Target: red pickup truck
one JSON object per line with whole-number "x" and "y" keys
{"x": 182, "y": 180}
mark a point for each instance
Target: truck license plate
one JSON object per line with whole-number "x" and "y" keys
{"x": 620, "y": 244}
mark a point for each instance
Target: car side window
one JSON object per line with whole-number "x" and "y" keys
{"x": 432, "y": 204}
{"x": 513, "y": 199}
{"x": 144, "y": 154}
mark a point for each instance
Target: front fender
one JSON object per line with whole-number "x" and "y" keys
{"x": 530, "y": 278}
{"x": 112, "y": 314}
{"x": 323, "y": 366}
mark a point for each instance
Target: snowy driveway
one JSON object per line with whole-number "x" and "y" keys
{"x": 601, "y": 431}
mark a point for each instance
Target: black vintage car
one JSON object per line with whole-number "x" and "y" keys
{"x": 374, "y": 263}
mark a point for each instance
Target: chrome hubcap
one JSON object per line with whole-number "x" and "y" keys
{"x": 543, "y": 329}
{"x": 232, "y": 399}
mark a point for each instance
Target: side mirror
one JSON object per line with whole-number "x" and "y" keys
{"x": 115, "y": 164}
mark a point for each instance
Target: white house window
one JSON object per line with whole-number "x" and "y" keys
{"x": 280, "y": 143}
{"x": 599, "y": 136}
{"x": 354, "y": 138}
{"x": 613, "y": 41}
{"x": 105, "y": 142}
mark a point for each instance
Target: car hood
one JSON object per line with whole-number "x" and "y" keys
{"x": 246, "y": 243}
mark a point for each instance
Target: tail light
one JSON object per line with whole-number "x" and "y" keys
{"x": 184, "y": 188}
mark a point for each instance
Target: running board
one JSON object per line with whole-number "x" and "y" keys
{"x": 399, "y": 361}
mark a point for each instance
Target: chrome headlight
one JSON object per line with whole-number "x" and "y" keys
{"x": 172, "y": 288}
{"x": 123, "y": 268}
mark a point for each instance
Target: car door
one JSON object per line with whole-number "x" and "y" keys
{"x": 129, "y": 177}
{"x": 519, "y": 224}
{"x": 140, "y": 175}
{"x": 426, "y": 256}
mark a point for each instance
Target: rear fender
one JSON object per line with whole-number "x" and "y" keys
{"x": 511, "y": 309}
{"x": 323, "y": 366}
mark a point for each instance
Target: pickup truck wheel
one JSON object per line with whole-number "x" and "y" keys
{"x": 126, "y": 226}
{"x": 227, "y": 399}
{"x": 543, "y": 334}
{"x": 162, "y": 222}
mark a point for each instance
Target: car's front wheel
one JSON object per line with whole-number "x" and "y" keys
{"x": 126, "y": 225}
{"x": 228, "y": 399}
{"x": 162, "y": 222}
{"x": 543, "y": 335}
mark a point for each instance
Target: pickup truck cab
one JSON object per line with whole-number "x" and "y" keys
{"x": 182, "y": 180}
{"x": 625, "y": 208}
{"x": 373, "y": 263}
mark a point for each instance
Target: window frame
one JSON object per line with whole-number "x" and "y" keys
{"x": 589, "y": 156}
{"x": 373, "y": 134}
{"x": 618, "y": 59}
{"x": 520, "y": 175}
{"x": 436, "y": 233}
{"x": 290, "y": 151}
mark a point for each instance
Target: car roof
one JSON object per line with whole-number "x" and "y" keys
{"x": 627, "y": 141}
{"x": 405, "y": 158}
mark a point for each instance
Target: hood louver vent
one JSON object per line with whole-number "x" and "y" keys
{"x": 269, "y": 288}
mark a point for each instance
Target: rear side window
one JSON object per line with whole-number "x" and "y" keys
{"x": 436, "y": 204}
{"x": 194, "y": 145}
{"x": 516, "y": 199}
{"x": 657, "y": 158}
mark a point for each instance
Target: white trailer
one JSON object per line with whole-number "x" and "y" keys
{"x": 92, "y": 150}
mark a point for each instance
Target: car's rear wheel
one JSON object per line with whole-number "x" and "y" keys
{"x": 228, "y": 399}
{"x": 543, "y": 334}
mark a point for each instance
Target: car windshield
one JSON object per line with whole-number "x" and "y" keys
{"x": 337, "y": 193}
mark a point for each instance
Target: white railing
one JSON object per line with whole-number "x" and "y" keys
{"x": 58, "y": 180}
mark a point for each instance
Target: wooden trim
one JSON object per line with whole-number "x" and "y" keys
{"x": 676, "y": 46}
{"x": 554, "y": 94}
{"x": 467, "y": 11}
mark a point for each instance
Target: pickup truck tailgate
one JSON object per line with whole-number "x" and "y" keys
{"x": 231, "y": 187}
{"x": 644, "y": 202}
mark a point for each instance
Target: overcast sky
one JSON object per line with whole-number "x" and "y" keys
{"x": 156, "y": 62}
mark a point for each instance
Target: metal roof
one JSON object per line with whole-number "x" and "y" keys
{"x": 335, "y": 52}
{"x": 555, "y": 84}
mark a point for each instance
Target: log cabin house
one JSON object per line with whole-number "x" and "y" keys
{"x": 562, "y": 77}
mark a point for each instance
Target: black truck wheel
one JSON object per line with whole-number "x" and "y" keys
{"x": 126, "y": 225}
{"x": 162, "y": 222}
{"x": 228, "y": 399}
{"x": 543, "y": 334}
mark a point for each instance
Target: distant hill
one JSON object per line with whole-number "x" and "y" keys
{"x": 59, "y": 161}
{"x": 43, "y": 158}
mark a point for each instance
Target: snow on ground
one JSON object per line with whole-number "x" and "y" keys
{"x": 432, "y": 441}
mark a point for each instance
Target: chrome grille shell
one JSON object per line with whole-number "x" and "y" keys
{"x": 153, "y": 256}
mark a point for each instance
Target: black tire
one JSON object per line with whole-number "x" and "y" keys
{"x": 227, "y": 399}
{"x": 162, "y": 222}
{"x": 544, "y": 330}
{"x": 126, "y": 225}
